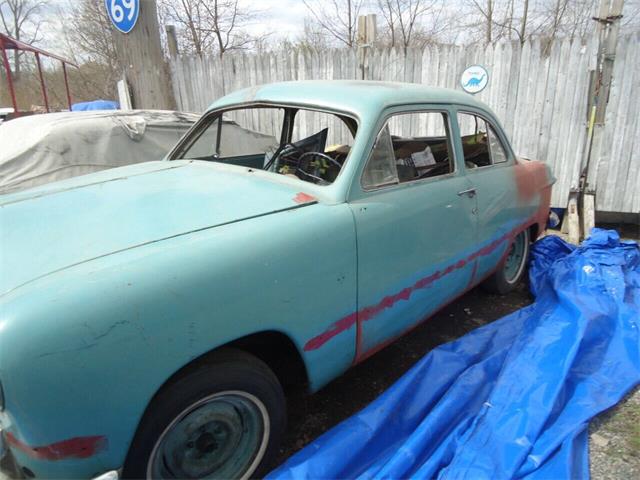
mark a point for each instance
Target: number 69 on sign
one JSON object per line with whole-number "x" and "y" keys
{"x": 123, "y": 13}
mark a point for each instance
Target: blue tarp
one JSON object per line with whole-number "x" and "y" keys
{"x": 511, "y": 399}
{"x": 95, "y": 105}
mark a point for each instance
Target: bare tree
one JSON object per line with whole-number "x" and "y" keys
{"x": 90, "y": 43}
{"x": 523, "y": 21}
{"x": 313, "y": 36}
{"x": 337, "y": 17}
{"x": 507, "y": 27}
{"x": 412, "y": 22}
{"x": 486, "y": 11}
{"x": 555, "y": 15}
{"x": 191, "y": 19}
{"x": 211, "y": 25}
{"x": 563, "y": 18}
{"x": 21, "y": 20}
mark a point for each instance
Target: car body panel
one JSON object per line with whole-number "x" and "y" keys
{"x": 108, "y": 326}
{"x": 402, "y": 245}
{"x": 117, "y": 280}
{"x": 148, "y": 207}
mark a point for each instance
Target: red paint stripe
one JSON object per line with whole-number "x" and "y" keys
{"x": 77, "y": 447}
{"x": 370, "y": 312}
{"x": 373, "y": 350}
{"x": 340, "y": 326}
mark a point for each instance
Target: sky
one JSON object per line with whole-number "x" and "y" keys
{"x": 281, "y": 18}
{"x": 284, "y": 17}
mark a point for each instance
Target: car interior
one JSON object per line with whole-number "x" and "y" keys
{"x": 235, "y": 140}
{"x": 421, "y": 157}
{"x": 476, "y": 150}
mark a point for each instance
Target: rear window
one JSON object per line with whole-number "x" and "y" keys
{"x": 481, "y": 144}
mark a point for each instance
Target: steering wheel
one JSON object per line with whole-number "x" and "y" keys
{"x": 283, "y": 155}
{"x": 307, "y": 158}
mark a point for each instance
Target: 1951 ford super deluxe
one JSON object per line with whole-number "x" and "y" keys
{"x": 152, "y": 315}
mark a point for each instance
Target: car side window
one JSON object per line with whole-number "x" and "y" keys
{"x": 480, "y": 143}
{"x": 498, "y": 153}
{"x": 381, "y": 166}
{"x": 410, "y": 146}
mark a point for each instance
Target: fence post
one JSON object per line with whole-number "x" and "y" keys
{"x": 172, "y": 41}
{"x": 365, "y": 40}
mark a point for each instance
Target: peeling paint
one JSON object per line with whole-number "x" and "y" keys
{"x": 369, "y": 312}
{"x": 77, "y": 447}
{"x": 302, "y": 197}
{"x": 531, "y": 178}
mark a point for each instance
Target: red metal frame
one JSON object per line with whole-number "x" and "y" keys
{"x": 9, "y": 43}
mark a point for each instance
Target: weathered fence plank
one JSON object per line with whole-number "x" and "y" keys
{"x": 538, "y": 90}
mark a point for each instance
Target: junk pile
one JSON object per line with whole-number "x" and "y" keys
{"x": 511, "y": 399}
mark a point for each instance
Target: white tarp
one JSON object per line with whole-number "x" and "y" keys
{"x": 39, "y": 149}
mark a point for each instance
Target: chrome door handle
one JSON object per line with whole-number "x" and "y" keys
{"x": 470, "y": 192}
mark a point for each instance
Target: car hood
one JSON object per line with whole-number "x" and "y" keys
{"x": 47, "y": 229}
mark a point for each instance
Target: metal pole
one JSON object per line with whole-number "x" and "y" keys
{"x": 608, "y": 19}
{"x": 66, "y": 84}
{"x": 44, "y": 89}
{"x": 7, "y": 69}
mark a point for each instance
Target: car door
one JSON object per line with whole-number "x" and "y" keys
{"x": 488, "y": 162}
{"x": 415, "y": 226}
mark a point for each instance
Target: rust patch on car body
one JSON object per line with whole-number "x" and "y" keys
{"x": 76, "y": 447}
{"x": 531, "y": 178}
{"x": 302, "y": 197}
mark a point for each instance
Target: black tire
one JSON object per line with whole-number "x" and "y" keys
{"x": 498, "y": 281}
{"x": 227, "y": 371}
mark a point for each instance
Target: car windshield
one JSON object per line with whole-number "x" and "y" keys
{"x": 310, "y": 145}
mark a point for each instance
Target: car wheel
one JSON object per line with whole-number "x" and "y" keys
{"x": 513, "y": 269}
{"x": 223, "y": 419}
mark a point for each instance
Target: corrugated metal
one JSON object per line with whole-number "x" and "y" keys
{"x": 539, "y": 90}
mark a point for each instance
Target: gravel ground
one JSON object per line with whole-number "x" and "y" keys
{"x": 614, "y": 444}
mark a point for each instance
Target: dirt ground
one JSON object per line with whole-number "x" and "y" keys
{"x": 309, "y": 416}
{"x": 615, "y": 435}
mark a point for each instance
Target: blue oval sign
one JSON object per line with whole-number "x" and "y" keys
{"x": 123, "y": 13}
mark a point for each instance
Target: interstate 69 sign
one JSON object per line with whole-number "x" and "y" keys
{"x": 123, "y": 13}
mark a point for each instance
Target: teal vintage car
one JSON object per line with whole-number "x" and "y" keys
{"x": 153, "y": 315}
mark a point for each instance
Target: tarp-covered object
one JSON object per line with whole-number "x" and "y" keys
{"x": 44, "y": 148}
{"x": 511, "y": 399}
{"x": 94, "y": 105}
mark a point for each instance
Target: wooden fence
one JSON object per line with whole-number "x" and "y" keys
{"x": 538, "y": 90}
